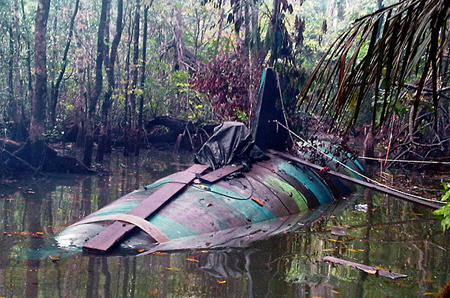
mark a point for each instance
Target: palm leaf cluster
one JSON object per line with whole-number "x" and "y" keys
{"x": 406, "y": 43}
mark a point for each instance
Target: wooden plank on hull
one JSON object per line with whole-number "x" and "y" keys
{"x": 115, "y": 232}
{"x": 221, "y": 173}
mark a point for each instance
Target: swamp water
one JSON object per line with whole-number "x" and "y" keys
{"x": 370, "y": 229}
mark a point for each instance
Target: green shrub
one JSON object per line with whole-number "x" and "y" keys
{"x": 443, "y": 213}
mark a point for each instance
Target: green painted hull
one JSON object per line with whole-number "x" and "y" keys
{"x": 271, "y": 191}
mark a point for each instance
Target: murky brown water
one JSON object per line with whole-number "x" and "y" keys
{"x": 379, "y": 231}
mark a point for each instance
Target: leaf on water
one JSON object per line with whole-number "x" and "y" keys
{"x": 355, "y": 250}
{"x": 221, "y": 281}
{"x": 426, "y": 280}
{"x": 54, "y": 258}
{"x": 334, "y": 240}
{"x": 381, "y": 268}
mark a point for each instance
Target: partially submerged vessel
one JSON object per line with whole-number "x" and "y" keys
{"x": 242, "y": 188}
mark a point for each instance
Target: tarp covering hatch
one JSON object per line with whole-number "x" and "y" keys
{"x": 231, "y": 142}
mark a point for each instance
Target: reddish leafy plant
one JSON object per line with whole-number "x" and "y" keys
{"x": 230, "y": 83}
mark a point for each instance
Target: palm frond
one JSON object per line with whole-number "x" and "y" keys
{"x": 380, "y": 51}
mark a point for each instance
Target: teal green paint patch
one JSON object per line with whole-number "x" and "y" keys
{"x": 159, "y": 182}
{"x": 237, "y": 203}
{"x": 172, "y": 229}
{"x": 156, "y": 184}
{"x": 351, "y": 165}
{"x": 284, "y": 187}
{"x": 224, "y": 192}
{"x": 242, "y": 204}
{"x": 310, "y": 180}
{"x": 263, "y": 79}
{"x": 356, "y": 162}
{"x": 354, "y": 170}
{"x": 252, "y": 210}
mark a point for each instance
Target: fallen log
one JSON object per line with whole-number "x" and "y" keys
{"x": 35, "y": 157}
{"x": 368, "y": 269}
{"x": 175, "y": 130}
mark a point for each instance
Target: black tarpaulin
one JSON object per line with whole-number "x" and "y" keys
{"x": 231, "y": 142}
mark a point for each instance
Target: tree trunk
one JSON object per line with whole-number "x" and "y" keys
{"x": 55, "y": 85}
{"x": 369, "y": 142}
{"x": 104, "y": 142}
{"x": 14, "y": 115}
{"x": 141, "y": 96}
{"x": 134, "y": 79}
{"x": 219, "y": 32}
{"x": 127, "y": 127}
{"x": 12, "y": 61}
{"x": 98, "y": 87}
{"x": 273, "y": 28}
{"x": 80, "y": 116}
{"x": 247, "y": 33}
{"x": 28, "y": 56}
{"x": 40, "y": 68}
{"x": 178, "y": 40}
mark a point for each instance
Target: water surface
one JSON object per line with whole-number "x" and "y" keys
{"x": 374, "y": 229}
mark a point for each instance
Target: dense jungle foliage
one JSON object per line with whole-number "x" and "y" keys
{"x": 120, "y": 64}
